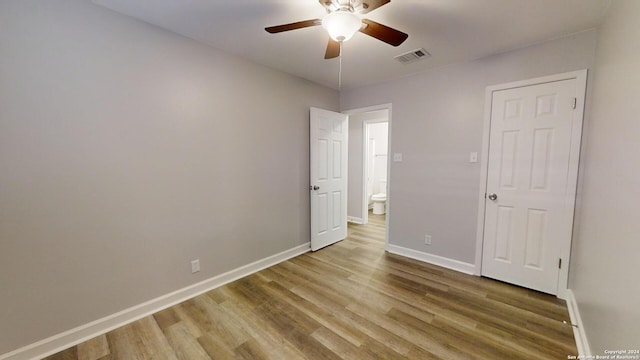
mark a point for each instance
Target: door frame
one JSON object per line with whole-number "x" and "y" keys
{"x": 365, "y": 214}
{"x": 574, "y": 159}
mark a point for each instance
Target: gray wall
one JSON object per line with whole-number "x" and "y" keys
{"x": 125, "y": 152}
{"x": 436, "y": 122}
{"x": 606, "y": 246}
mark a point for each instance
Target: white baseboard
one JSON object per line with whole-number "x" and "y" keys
{"x": 433, "y": 259}
{"x": 584, "y": 351}
{"x": 98, "y": 327}
{"x": 355, "y": 220}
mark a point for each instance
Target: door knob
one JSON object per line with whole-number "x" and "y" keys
{"x": 316, "y": 187}
{"x": 493, "y": 196}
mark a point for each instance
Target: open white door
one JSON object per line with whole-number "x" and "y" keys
{"x": 533, "y": 146}
{"x": 328, "y": 177}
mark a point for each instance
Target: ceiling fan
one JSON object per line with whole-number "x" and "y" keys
{"x": 342, "y": 21}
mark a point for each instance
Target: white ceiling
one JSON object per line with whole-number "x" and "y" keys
{"x": 451, "y": 30}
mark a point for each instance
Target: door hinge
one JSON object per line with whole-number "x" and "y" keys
{"x": 560, "y": 263}
{"x": 575, "y": 102}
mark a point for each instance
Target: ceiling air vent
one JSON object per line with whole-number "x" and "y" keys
{"x": 412, "y": 56}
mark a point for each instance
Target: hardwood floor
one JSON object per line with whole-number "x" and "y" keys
{"x": 350, "y": 300}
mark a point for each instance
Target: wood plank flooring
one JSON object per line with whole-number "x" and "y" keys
{"x": 350, "y": 300}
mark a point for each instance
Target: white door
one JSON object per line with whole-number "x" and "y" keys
{"x": 529, "y": 209}
{"x": 328, "y": 176}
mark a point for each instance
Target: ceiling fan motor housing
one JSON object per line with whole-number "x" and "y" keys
{"x": 356, "y": 6}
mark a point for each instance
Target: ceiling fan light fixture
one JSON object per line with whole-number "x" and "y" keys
{"x": 341, "y": 25}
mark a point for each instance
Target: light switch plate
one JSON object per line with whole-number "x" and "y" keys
{"x": 473, "y": 157}
{"x": 397, "y": 157}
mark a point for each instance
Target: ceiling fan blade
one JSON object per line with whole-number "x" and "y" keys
{"x": 370, "y": 5}
{"x": 384, "y": 33}
{"x": 293, "y": 26}
{"x": 333, "y": 49}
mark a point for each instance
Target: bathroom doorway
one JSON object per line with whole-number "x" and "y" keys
{"x": 376, "y": 134}
{"x": 369, "y": 165}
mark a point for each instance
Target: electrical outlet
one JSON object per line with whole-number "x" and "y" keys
{"x": 195, "y": 266}
{"x": 427, "y": 239}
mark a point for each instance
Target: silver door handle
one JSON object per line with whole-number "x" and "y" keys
{"x": 493, "y": 197}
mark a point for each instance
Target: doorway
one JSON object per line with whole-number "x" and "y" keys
{"x": 528, "y": 186}
{"x": 369, "y": 166}
{"x": 374, "y": 194}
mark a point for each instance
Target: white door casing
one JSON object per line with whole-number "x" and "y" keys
{"x": 328, "y": 176}
{"x": 365, "y": 136}
{"x": 533, "y": 151}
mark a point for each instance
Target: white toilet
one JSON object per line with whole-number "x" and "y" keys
{"x": 379, "y": 200}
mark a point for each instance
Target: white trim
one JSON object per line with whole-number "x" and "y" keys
{"x": 368, "y": 109}
{"x": 388, "y": 207}
{"x": 584, "y": 351}
{"x": 452, "y": 264}
{"x": 572, "y": 187}
{"x": 355, "y": 220}
{"x": 365, "y": 171}
{"x": 574, "y": 158}
{"x": 64, "y": 340}
{"x": 389, "y": 156}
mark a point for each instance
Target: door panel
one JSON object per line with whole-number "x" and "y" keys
{"x": 328, "y": 169}
{"x": 535, "y": 238}
{"x": 504, "y": 234}
{"x": 529, "y": 153}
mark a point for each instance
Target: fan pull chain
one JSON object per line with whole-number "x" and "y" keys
{"x": 340, "y": 70}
